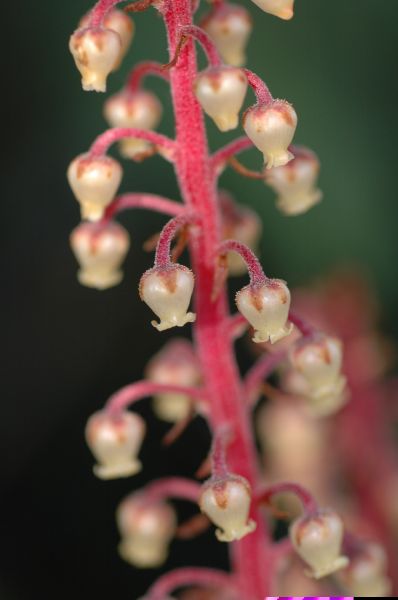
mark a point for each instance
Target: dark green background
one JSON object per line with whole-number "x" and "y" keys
{"x": 67, "y": 348}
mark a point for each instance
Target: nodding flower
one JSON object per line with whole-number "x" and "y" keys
{"x": 229, "y": 26}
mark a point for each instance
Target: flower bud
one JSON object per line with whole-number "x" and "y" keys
{"x": 229, "y": 26}
{"x": 94, "y": 181}
{"x": 239, "y": 223}
{"x": 100, "y": 249}
{"x": 167, "y": 291}
{"x": 175, "y": 364}
{"x": 146, "y": 527}
{"x": 266, "y": 307}
{"x": 271, "y": 128}
{"x": 221, "y": 92}
{"x": 295, "y": 184}
{"x": 115, "y": 440}
{"x": 319, "y": 361}
{"x": 95, "y": 52}
{"x": 317, "y": 540}
{"x": 365, "y": 576}
{"x": 280, "y": 8}
{"x": 226, "y": 501}
{"x": 141, "y": 110}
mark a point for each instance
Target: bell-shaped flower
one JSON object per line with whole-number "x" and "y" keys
{"x": 121, "y": 23}
{"x": 279, "y": 8}
{"x": 266, "y": 307}
{"x": 271, "y": 128}
{"x": 141, "y": 110}
{"x": 221, "y": 92}
{"x": 175, "y": 364}
{"x": 226, "y": 501}
{"x": 94, "y": 181}
{"x": 295, "y": 183}
{"x": 229, "y": 26}
{"x": 115, "y": 441}
{"x": 100, "y": 250}
{"x": 366, "y": 575}
{"x": 317, "y": 539}
{"x": 147, "y": 528}
{"x": 167, "y": 291}
{"x": 95, "y": 51}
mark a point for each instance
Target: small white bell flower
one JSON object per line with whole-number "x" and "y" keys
{"x": 366, "y": 575}
{"x": 115, "y": 440}
{"x": 167, "y": 291}
{"x": 279, "y": 8}
{"x": 266, "y": 307}
{"x": 100, "y": 250}
{"x": 175, "y": 364}
{"x": 94, "y": 181}
{"x": 317, "y": 539}
{"x": 147, "y": 528}
{"x": 95, "y": 51}
{"x": 271, "y": 128}
{"x": 226, "y": 501}
{"x": 141, "y": 110}
{"x": 120, "y": 22}
{"x": 229, "y": 26}
{"x": 319, "y": 361}
{"x": 295, "y": 184}
{"x": 242, "y": 224}
{"x": 221, "y": 92}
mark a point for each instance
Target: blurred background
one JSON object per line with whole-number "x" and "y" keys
{"x": 67, "y": 348}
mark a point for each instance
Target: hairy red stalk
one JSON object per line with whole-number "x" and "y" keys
{"x": 173, "y": 487}
{"x": 100, "y": 10}
{"x": 109, "y": 137}
{"x": 162, "y": 257}
{"x": 208, "y": 578}
{"x": 213, "y": 344}
{"x": 143, "y": 389}
{"x": 142, "y": 70}
{"x": 303, "y": 326}
{"x": 261, "y": 90}
{"x": 149, "y": 201}
{"x": 256, "y": 273}
{"x": 259, "y": 372}
{"x": 309, "y": 504}
{"x": 222, "y": 156}
{"x": 205, "y": 41}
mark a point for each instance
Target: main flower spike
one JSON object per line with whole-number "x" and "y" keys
{"x": 317, "y": 538}
{"x": 279, "y": 8}
{"x": 295, "y": 182}
{"x": 100, "y": 249}
{"x": 229, "y": 26}
{"x": 115, "y": 440}
{"x": 140, "y": 109}
{"x": 95, "y": 51}
{"x": 176, "y": 363}
{"x": 94, "y": 181}
{"x": 271, "y": 128}
{"x": 147, "y": 528}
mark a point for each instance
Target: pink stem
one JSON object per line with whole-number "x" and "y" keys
{"x": 251, "y": 555}
{"x": 173, "y": 487}
{"x": 162, "y": 256}
{"x": 220, "y": 157}
{"x": 189, "y": 576}
{"x": 308, "y": 501}
{"x": 261, "y": 90}
{"x": 143, "y": 70}
{"x": 150, "y": 201}
{"x": 109, "y": 137}
{"x": 218, "y": 451}
{"x": 237, "y": 325}
{"x": 303, "y": 326}
{"x": 205, "y": 41}
{"x": 142, "y": 389}
{"x": 259, "y": 372}
{"x": 100, "y": 10}
{"x": 256, "y": 273}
